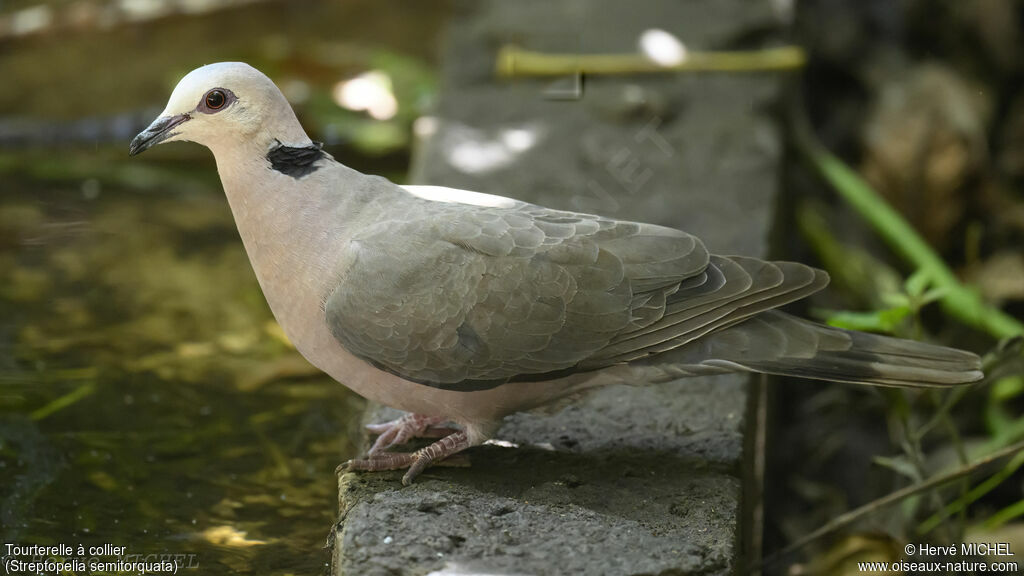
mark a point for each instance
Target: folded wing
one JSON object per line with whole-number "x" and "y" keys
{"x": 470, "y": 297}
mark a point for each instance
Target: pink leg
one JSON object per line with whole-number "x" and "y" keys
{"x": 416, "y": 461}
{"x": 404, "y": 429}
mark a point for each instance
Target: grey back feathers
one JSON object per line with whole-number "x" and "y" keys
{"x": 467, "y": 298}
{"x": 499, "y": 294}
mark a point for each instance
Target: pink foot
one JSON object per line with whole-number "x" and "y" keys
{"x": 416, "y": 461}
{"x": 404, "y": 429}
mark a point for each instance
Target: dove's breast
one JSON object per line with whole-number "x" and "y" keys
{"x": 296, "y": 241}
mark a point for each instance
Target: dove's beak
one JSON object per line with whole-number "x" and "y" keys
{"x": 158, "y": 131}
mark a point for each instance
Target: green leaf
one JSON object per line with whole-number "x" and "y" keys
{"x": 960, "y": 301}
{"x": 896, "y": 300}
{"x": 1007, "y": 388}
{"x": 998, "y": 419}
{"x": 885, "y": 321}
{"x": 1005, "y": 515}
{"x": 900, "y": 465}
{"x": 917, "y": 283}
{"x": 933, "y": 295}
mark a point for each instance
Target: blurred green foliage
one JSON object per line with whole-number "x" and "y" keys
{"x": 895, "y": 307}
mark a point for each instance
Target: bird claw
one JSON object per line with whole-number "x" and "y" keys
{"x": 389, "y": 461}
{"x": 404, "y": 429}
{"x": 440, "y": 453}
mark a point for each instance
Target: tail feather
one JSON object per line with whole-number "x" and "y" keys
{"x": 776, "y": 343}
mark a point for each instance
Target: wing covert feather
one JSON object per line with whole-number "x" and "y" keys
{"x": 465, "y": 298}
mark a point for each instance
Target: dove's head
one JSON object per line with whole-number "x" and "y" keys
{"x": 224, "y": 105}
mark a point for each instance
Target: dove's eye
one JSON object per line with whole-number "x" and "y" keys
{"x": 215, "y": 99}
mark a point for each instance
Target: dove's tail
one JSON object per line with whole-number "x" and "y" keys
{"x": 776, "y": 343}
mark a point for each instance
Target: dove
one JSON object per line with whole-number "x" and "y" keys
{"x": 460, "y": 307}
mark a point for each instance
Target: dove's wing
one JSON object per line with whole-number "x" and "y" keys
{"x": 467, "y": 297}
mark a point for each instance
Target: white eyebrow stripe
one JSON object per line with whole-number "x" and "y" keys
{"x": 456, "y": 196}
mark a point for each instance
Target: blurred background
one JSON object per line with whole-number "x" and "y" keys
{"x": 148, "y": 399}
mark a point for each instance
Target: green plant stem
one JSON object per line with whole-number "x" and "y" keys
{"x": 1005, "y": 515}
{"x": 941, "y": 415}
{"x": 957, "y": 300}
{"x": 852, "y": 516}
{"x": 973, "y": 495}
{"x": 64, "y": 401}
{"x": 514, "y": 61}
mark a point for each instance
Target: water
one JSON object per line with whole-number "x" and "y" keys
{"x": 147, "y": 398}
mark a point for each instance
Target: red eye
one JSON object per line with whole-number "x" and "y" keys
{"x": 215, "y": 99}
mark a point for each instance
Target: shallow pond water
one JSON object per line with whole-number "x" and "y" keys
{"x": 147, "y": 398}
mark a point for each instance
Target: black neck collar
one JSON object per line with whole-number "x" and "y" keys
{"x": 295, "y": 161}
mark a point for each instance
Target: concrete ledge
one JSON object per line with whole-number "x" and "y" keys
{"x": 629, "y": 480}
{"x": 592, "y": 489}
